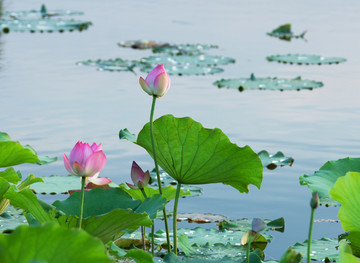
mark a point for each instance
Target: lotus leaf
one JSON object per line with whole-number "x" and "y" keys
{"x": 13, "y": 153}
{"x": 268, "y": 83}
{"x": 321, "y": 249}
{"x": 166, "y": 180}
{"x": 303, "y": 59}
{"x": 52, "y": 244}
{"x": 277, "y": 159}
{"x": 42, "y": 25}
{"x": 43, "y": 12}
{"x": 284, "y": 32}
{"x": 200, "y": 218}
{"x": 116, "y": 64}
{"x": 183, "y": 49}
{"x": 200, "y": 60}
{"x": 185, "y": 69}
{"x": 346, "y": 255}
{"x": 57, "y": 184}
{"x": 141, "y": 44}
{"x": 140, "y": 256}
{"x": 11, "y": 218}
{"x": 324, "y": 179}
{"x": 290, "y": 256}
{"x": 245, "y": 224}
{"x": 192, "y": 154}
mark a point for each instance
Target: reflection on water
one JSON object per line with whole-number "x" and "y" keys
{"x": 49, "y": 102}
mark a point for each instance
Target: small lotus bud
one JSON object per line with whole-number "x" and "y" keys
{"x": 258, "y": 225}
{"x": 314, "y": 203}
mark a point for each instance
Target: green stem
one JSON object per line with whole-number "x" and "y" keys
{"x": 248, "y": 248}
{"x": 177, "y": 195}
{"x": 152, "y": 239}
{"x": 83, "y": 180}
{"x": 143, "y": 229}
{"x": 310, "y": 234}
{"x": 157, "y": 171}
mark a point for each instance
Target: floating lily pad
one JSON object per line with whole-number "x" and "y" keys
{"x": 210, "y": 236}
{"x": 303, "y": 59}
{"x": 116, "y": 64}
{"x": 43, "y": 12}
{"x": 166, "y": 180}
{"x": 320, "y": 249}
{"x": 141, "y": 44}
{"x": 277, "y": 159}
{"x": 11, "y": 218}
{"x": 284, "y": 32}
{"x": 245, "y": 224}
{"x": 200, "y": 218}
{"x": 42, "y": 25}
{"x": 183, "y": 49}
{"x": 186, "y": 69}
{"x": 324, "y": 179}
{"x": 268, "y": 83}
{"x": 200, "y": 60}
{"x": 56, "y": 184}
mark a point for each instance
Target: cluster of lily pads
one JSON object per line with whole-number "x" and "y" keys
{"x": 41, "y": 21}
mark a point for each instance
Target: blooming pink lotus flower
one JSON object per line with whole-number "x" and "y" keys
{"x": 156, "y": 83}
{"x": 86, "y": 160}
{"x": 139, "y": 178}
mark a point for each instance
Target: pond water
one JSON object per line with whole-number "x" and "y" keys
{"x": 49, "y": 102}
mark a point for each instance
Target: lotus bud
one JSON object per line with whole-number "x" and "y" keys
{"x": 314, "y": 203}
{"x": 88, "y": 161}
{"x": 139, "y": 178}
{"x": 156, "y": 83}
{"x": 257, "y": 225}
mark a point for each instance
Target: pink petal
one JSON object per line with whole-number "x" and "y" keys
{"x": 99, "y": 181}
{"x": 147, "y": 178}
{"x": 95, "y": 163}
{"x": 96, "y": 147}
{"x": 132, "y": 186}
{"x": 78, "y": 169}
{"x": 88, "y": 151}
{"x": 67, "y": 165}
{"x": 137, "y": 173}
{"x": 161, "y": 85}
{"x": 144, "y": 85}
{"x": 150, "y": 79}
{"x": 77, "y": 153}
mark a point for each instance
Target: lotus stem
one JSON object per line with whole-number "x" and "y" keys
{"x": 83, "y": 180}
{"x": 177, "y": 195}
{"x": 143, "y": 229}
{"x": 310, "y": 234}
{"x": 157, "y": 171}
{"x": 248, "y": 248}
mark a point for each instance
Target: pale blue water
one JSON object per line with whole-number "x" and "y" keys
{"x": 50, "y": 103}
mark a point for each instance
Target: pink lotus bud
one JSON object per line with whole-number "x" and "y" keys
{"x": 157, "y": 82}
{"x": 139, "y": 178}
{"x": 85, "y": 160}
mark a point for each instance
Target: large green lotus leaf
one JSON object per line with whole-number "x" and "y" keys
{"x": 185, "y": 69}
{"x": 203, "y": 236}
{"x": 347, "y": 192}
{"x": 284, "y": 32}
{"x": 167, "y": 180}
{"x": 274, "y": 160}
{"x": 183, "y": 49}
{"x": 320, "y": 249}
{"x": 245, "y": 224}
{"x": 51, "y": 243}
{"x": 140, "y": 256}
{"x": 13, "y": 153}
{"x": 10, "y": 175}
{"x": 101, "y": 201}
{"x": 268, "y": 83}
{"x": 324, "y": 179}
{"x": 11, "y": 218}
{"x": 54, "y": 184}
{"x": 345, "y": 255}
{"x": 200, "y": 60}
{"x": 168, "y": 192}
{"x": 42, "y": 25}
{"x": 192, "y": 154}
{"x": 303, "y": 59}
{"x": 110, "y": 226}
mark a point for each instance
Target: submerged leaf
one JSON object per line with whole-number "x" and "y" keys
{"x": 268, "y": 83}
{"x": 303, "y": 59}
{"x": 192, "y": 154}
